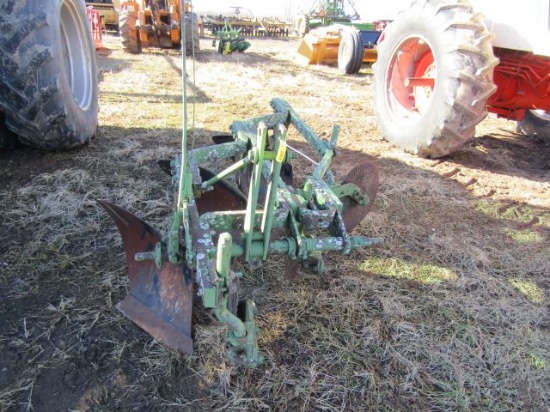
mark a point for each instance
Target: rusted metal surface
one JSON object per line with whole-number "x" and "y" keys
{"x": 365, "y": 176}
{"x": 222, "y": 197}
{"x": 160, "y": 300}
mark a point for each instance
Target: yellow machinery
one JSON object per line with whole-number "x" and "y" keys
{"x": 320, "y": 46}
{"x": 156, "y": 23}
{"x": 346, "y": 45}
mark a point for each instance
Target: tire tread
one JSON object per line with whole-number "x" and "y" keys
{"x": 471, "y": 47}
{"x": 33, "y": 108}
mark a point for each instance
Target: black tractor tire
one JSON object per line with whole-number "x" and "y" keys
{"x": 129, "y": 34}
{"x": 536, "y": 123}
{"x": 350, "y": 52}
{"x": 192, "y": 36}
{"x": 433, "y": 77}
{"x": 48, "y": 75}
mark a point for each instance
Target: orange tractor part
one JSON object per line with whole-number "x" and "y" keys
{"x": 157, "y": 24}
{"x": 162, "y": 19}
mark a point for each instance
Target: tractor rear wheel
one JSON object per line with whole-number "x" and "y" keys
{"x": 536, "y": 123}
{"x": 48, "y": 76}
{"x": 129, "y": 35}
{"x": 433, "y": 77}
{"x": 350, "y": 52}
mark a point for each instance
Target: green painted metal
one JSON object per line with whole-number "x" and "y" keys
{"x": 352, "y": 191}
{"x": 300, "y": 223}
{"x": 223, "y": 268}
{"x": 290, "y": 211}
{"x": 324, "y": 164}
{"x": 257, "y": 157}
{"x": 283, "y": 225}
{"x": 173, "y": 243}
{"x": 156, "y": 255}
{"x": 218, "y": 152}
{"x": 242, "y": 334}
{"x": 230, "y": 40}
{"x": 225, "y": 173}
{"x": 250, "y": 355}
{"x": 267, "y": 219}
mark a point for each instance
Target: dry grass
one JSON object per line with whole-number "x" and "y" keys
{"x": 451, "y": 313}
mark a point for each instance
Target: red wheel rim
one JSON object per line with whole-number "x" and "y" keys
{"x": 410, "y": 79}
{"x": 422, "y": 90}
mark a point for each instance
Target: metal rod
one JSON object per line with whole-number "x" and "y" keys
{"x": 224, "y": 173}
{"x": 276, "y": 164}
{"x": 223, "y": 267}
{"x": 254, "y": 189}
{"x": 183, "y": 168}
{"x": 302, "y": 154}
{"x": 289, "y": 246}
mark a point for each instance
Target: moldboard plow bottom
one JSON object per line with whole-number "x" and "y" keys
{"x": 216, "y": 222}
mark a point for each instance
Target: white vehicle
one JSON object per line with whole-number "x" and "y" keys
{"x": 443, "y": 64}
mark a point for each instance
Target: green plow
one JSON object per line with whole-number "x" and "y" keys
{"x": 248, "y": 211}
{"x": 216, "y": 223}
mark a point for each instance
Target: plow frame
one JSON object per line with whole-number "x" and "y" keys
{"x": 203, "y": 241}
{"x": 217, "y": 237}
{"x": 214, "y": 223}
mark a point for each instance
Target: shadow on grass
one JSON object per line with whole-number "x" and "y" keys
{"x": 507, "y": 153}
{"x": 61, "y": 333}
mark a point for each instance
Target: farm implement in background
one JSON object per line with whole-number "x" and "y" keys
{"x": 230, "y": 40}
{"x": 215, "y": 223}
{"x": 330, "y": 35}
{"x": 94, "y": 19}
{"x": 248, "y": 26}
{"x": 145, "y": 23}
{"x": 347, "y": 45}
{"x": 107, "y": 10}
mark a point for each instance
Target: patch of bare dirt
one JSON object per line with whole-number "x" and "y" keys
{"x": 450, "y": 313}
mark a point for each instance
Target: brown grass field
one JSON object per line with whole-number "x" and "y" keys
{"x": 451, "y": 313}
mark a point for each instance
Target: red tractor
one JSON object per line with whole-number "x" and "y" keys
{"x": 442, "y": 66}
